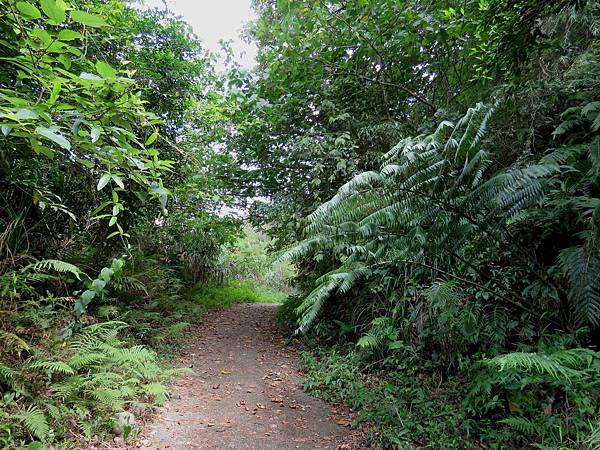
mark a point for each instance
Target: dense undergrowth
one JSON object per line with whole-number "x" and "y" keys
{"x": 75, "y": 386}
{"x": 407, "y": 403}
{"x": 447, "y": 181}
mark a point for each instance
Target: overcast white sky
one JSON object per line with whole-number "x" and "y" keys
{"x": 213, "y": 20}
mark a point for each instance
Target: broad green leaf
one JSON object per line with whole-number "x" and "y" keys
{"x": 69, "y": 35}
{"x": 28, "y": 10}
{"x": 95, "y": 133}
{"x": 75, "y": 51}
{"x": 115, "y": 210}
{"x": 98, "y": 285}
{"x": 106, "y": 274}
{"x": 54, "y": 137}
{"x": 112, "y": 221}
{"x": 85, "y": 18}
{"x": 117, "y": 264}
{"x": 54, "y": 11}
{"x": 86, "y": 162}
{"x": 90, "y": 76}
{"x": 101, "y": 207}
{"x": 42, "y": 35}
{"x": 65, "y": 60}
{"x": 38, "y": 148}
{"x": 79, "y": 309}
{"x": 6, "y": 129}
{"x": 56, "y": 47}
{"x": 87, "y": 297}
{"x": 118, "y": 181}
{"x": 163, "y": 201}
{"x": 25, "y": 114}
{"x": 105, "y": 70}
{"x": 104, "y": 179}
{"x": 152, "y": 138}
{"x": 56, "y": 87}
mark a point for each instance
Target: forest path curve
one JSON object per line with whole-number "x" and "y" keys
{"x": 245, "y": 392}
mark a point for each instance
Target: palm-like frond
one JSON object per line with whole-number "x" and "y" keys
{"x": 53, "y": 264}
{"x": 432, "y": 201}
{"x": 581, "y": 265}
{"x": 565, "y": 365}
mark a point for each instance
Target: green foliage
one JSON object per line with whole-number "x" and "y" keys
{"x": 248, "y": 260}
{"x": 561, "y": 366}
{"x": 60, "y": 108}
{"x": 96, "y": 288}
{"x": 431, "y": 169}
{"x": 402, "y": 408}
{"x": 101, "y": 108}
{"x": 35, "y": 422}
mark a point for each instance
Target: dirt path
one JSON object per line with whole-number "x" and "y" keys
{"x": 245, "y": 392}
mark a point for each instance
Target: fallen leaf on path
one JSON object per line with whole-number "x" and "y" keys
{"x": 343, "y": 422}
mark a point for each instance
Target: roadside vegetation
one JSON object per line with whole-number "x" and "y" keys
{"x": 441, "y": 161}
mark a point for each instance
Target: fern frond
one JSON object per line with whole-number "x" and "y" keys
{"x": 581, "y": 265}
{"x": 51, "y": 367}
{"x": 110, "y": 398}
{"x": 563, "y": 366}
{"x": 522, "y": 425}
{"x": 56, "y": 265}
{"x": 34, "y": 421}
{"x": 84, "y": 359}
{"x": 13, "y": 341}
{"x": 8, "y": 375}
{"x": 157, "y": 391}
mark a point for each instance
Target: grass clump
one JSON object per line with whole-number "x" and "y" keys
{"x": 211, "y": 296}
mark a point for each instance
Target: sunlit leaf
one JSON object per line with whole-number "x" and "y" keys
{"x": 54, "y": 11}
{"x": 69, "y": 35}
{"x": 28, "y": 10}
{"x": 90, "y": 20}
{"x": 105, "y": 70}
{"x": 90, "y": 76}
{"x": 104, "y": 179}
{"x": 152, "y": 138}
{"x": 118, "y": 181}
{"x": 95, "y": 133}
{"x": 25, "y": 114}
{"x": 53, "y": 136}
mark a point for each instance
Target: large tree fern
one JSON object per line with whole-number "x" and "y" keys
{"x": 436, "y": 200}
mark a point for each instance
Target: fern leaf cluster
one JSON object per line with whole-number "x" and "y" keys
{"x": 98, "y": 373}
{"x": 436, "y": 199}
